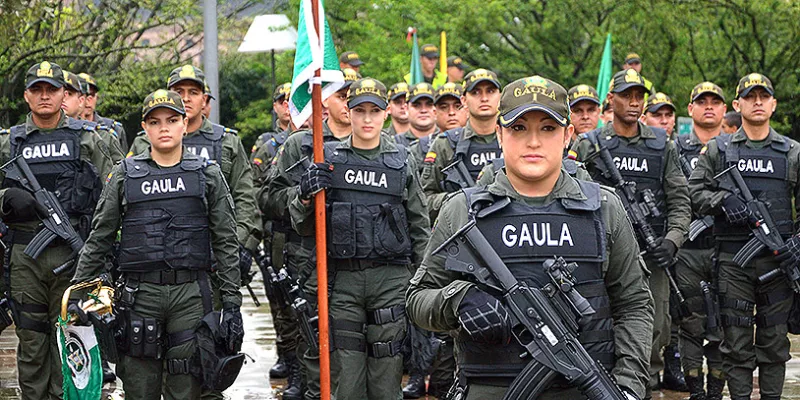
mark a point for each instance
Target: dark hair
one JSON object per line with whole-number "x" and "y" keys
{"x": 733, "y": 118}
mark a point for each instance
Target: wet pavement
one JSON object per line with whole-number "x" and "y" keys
{"x": 254, "y": 382}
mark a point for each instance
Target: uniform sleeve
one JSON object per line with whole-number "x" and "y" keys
{"x": 139, "y": 145}
{"x": 261, "y": 163}
{"x": 241, "y": 182}
{"x": 122, "y": 138}
{"x": 703, "y": 188}
{"x": 486, "y": 176}
{"x": 222, "y": 225}
{"x": 279, "y": 189}
{"x": 679, "y": 210}
{"x": 100, "y": 156}
{"x": 433, "y": 164}
{"x": 112, "y": 141}
{"x": 433, "y": 297}
{"x": 5, "y": 156}
{"x": 583, "y": 148}
{"x": 105, "y": 224}
{"x": 630, "y": 300}
{"x": 417, "y": 213}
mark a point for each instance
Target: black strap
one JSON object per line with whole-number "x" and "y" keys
{"x": 736, "y": 304}
{"x": 31, "y": 308}
{"x": 179, "y": 366}
{"x": 765, "y": 321}
{"x": 30, "y": 324}
{"x": 601, "y": 313}
{"x": 386, "y": 210}
{"x": 205, "y": 292}
{"x": 592, "y": 289}
{"x": 732, "y": 320}
{"x": 180, "y": 337}
{"x": 386, "y": 315}
{"x": 21, "y": 237}
{"x": 604, "y": 358}
{"x": 604, "y": 335}
{"x": 165, "y": 277}
{"x": 350, "y": 326}
{"x": 774, "y": 297}
{"x": 341, "y": 342}
{"x": 384, "y": 349}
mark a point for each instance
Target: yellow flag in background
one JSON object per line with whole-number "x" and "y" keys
{"x": 443, "y": 55}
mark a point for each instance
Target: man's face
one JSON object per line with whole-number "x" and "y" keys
{"x": 281, "y": 107}
{"x": 193, "y": 95}
{"x": 207, "y": 107}
{"x": 398, "y": 109}
{"x": 447, "y": 113}
{"x": 634, "y": 65}
{"x": 421, "y": 114}
{"x": 44, "y": 99}
{"x": 455, "y": 74}
{"x": 627, "y": 105}
{"x": 757, "y": 107}
{"x": 533, "y": 146}
{"x": 728, "y": 128}
{"x": 663, "y": 118}
{"x": 73, "y": 103}
{"x": 707, "y": 111}
{"x": 342, "y": 66}
{"x": 585, "y": 115}
{"x": 337, "y": 107}
{"x": 428, "y": 64}
{"x": 91, "y": 102}
{"x": 483, "y": 101}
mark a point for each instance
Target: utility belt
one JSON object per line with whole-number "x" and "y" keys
{"x": 165, "y": 277}
{"x": 356, "y": 264}
{"x": 704, "y": 242}
{"x": 83, "y": 227}
{"x": 733, "y": 246}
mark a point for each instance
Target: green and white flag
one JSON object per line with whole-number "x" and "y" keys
{"x": 310, "y": 56}
{"x": 80, "y": 362}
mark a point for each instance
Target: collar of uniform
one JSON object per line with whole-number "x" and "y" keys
{"x": 565, "y": 188}
{"x": 147, "y": 155}
{"x": 31, "y": 127}
{"x": 740, "y": 136}
{"x": 469, "y": 133}
{"x": 693, "y": 139}
{"x": 204, "y": 127}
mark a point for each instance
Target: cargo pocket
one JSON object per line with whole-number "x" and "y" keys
{"x": 342, "y": 230}
{"x": 391, "y": 232}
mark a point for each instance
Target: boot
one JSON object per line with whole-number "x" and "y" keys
{"x": 294, "y": 386}
{"x": 415, "y": 388}
{"x": 695, "y": 384}
{"x": 280, "y": 370}
{"x": 673, "y": 376}
{"x": 715, "y": 386}
{"x": 108, "y": 373}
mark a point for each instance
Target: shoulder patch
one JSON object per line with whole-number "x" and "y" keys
{"x": 703, "y": 150}
{"x": 108, "y": 178}
{"x": 5, "y": 131}
{"x": 572, "y": 155}
{"x": 253, "y": 149}
{"x": 231, "y": 131}
{"x": 257, "y": 161}
{"x": 430, "y": 157}
{"x": 129, "y": 155}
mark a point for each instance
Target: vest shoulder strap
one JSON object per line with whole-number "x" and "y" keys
{"x": 659, "y": 142}
{"x": 217, "y": 132}
{"x": 135, "y": 168}
{"x": 592, "y": 192}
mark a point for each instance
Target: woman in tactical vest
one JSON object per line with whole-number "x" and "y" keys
{"x": 377, "y": 231}
{"x": 174, "y": 208}
{"x": 531, "y": 212}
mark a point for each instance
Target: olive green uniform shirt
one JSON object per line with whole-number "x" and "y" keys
{"x": 221, "y": 224}
{"x": 235, "y": 167}
{"x": 433, "y": 298}
{"x": 678, "y": 209}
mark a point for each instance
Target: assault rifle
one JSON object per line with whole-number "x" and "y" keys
{"x": 290, "y": 292}
{"x": 264, "y": 260}
{"x": 699, "y": 225}
{"x": 456, "y": 176}
{"x": 543, "y": 320}
{"x": 712, "y": 312}
{"x": 765, "y": 232}
{"x": 56, "y": 223}
{"x": 638, "y": 210}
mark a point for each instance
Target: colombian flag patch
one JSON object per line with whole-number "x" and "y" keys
{"x": 108, "y": 178}
{"x": 572, "y": 155}
{"x": 703, "y": 150}
{"x": 253, "y": 150}
{"x": 257, "y": 161}
{"x": 430, "y": 157}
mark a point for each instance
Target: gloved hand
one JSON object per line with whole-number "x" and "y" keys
{"x": 231, "y": 327}
{"x": 736, "y": 210}
{"x": 20, "y": 205}
{"x": 789, "y": 253}
{"x": 245, "y": 264}
{"x": 664, "y": 253}
{"x": 483, "y": 318}
{"x": 317, "y": 177}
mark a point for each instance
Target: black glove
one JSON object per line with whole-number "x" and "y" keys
{"x": 483, "y": 319}
{"x": 736, "y": 210}
{"x": 317, "y": 177}
{"x": 20, "y": 205}
{"x": 245, "y": 263}
{"x": 231, "y": 327}
{"x": 664, "y": 254}
{"x": 789, "y": 253}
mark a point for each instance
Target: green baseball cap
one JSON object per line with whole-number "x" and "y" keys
{"x": 624, "y": 80}
{"x": 162, "y": 98}
{"x": 397, "y": 90}
{"x": 419, "y": 91}
{"x": 429, "y": 50}
{"x": 455, "y": 61}
{"x": 449, "y": 89}
{"x": 350, "y": 76}
{"x": 44, "y": 71}
{"x": 207, "y": 90}
{"x": 706, "y": 87}
{"x": 582, "y": 92}
{"x": 72, "y": 82}
{"x": 480, "y": 75}
{"x": 282, "y": 91}
{"x": 350, "y": 58}
{"x": 367, "y": 90}
{"x": 632, "y": 58}
{"x": 748, "y": 82}
{"x": 187, "y": 73}
{"x": 656, "y": 101}
{"x": 533, "y": 93}
{"x": 89, "y": 80}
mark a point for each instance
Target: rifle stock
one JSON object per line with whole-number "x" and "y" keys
{"x": 456, "y": 174}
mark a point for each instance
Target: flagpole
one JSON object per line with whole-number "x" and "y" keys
{"x": 319, "y": 219}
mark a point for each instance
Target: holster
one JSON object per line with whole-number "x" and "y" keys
{"x": 142, "y": 337}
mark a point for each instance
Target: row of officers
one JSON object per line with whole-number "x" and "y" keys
{"x": 187, "y": 220}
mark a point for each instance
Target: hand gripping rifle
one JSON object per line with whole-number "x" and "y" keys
{"x": 56, "y": 223}
{"x": 289, "y": 293}
{"x": 765, "y": 232}
{"x": 699, "y": 225}
{"x": 543, "y": 320}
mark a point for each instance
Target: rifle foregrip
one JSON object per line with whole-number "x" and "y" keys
{"x": 39, "y": 242}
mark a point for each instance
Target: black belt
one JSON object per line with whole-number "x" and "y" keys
{"x": 732, "y": 247}
{"x": 22, "y": 237}
{"x": 356, "y": 264}
{"x": 704, "y": 242}
{"x": 166, "y": 277}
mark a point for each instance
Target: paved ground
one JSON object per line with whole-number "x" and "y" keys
{"x": 253, "y": 382}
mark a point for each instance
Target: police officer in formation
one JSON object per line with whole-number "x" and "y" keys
{"x": 646, "y": 157}
{"x": 584, "y": 106}
{"x": 695, "y": 258}
{"x": 280, "y": 106}
{"x": 90, "y": 111}
{"x": 421, "y": 115}
{"x": 183, "y": 200}
{"x": 397, "y": 109}
{"x": 533, "y": 132}
{"x": 753, "y": 313}
{"x": 450, "y": 112}
{"x": 659, "y": 112}
{"x": 378, "y": 229}
{"x": 67, "y": 157}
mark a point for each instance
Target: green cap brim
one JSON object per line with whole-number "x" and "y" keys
{"x": 476, "y": 82}
{"x": 579, "y": 99}
{"x": 195, "y": 80}
{"x": 420, "y": 96}
{"x": 509, "y": 118}
{"x": 747, "y": 90}
{"x": 381, "y": 103}
{"x": 626, "y": 86}
{"x": 168, "y": 106}
{"x": 51, "y": 81}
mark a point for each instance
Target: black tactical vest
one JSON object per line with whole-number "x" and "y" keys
{"x": 55, "y": 160}
{"x": 474, "y": 154}
{"x": 165, "y": 223}
{"x": 206, "y": 144}
{"x": 366, "y": 210}
{"x": 425, "y": 143}
{"x": 274, "y": 141}
{"x": 766, "y": 173}
{"x": 524, "y": 237}
{"x": 401, "y": 139}
{"x": 687, "y": 156}
{"x": 642, "y": 163}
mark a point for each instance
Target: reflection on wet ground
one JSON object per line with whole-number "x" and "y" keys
{"x": 254, "y": 383}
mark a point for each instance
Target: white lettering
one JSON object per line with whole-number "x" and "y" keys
{"x": 163, "y": 186}
{"x": 693, "y": 163}
{"x": 509, "y": 239}
{"x": 481, "y": 158}
{"x": 543, "y": 235}
{"x": 46, "y": 151}
{"x": 203, "y": 152}
{"x": 367, "y": 178}
{"x": 631, "y": 164}
{"x": 755, "y": 165}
